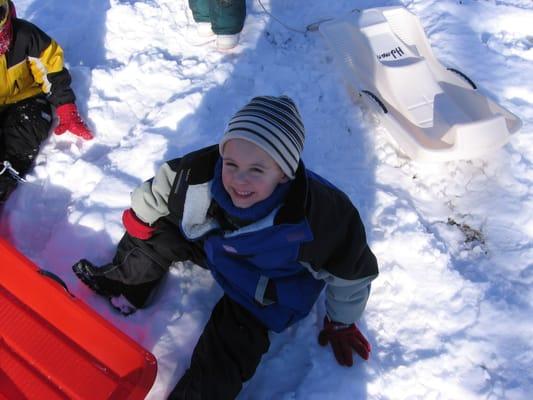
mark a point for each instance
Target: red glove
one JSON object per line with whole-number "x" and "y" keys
{"x": 70, "y": 120}
{"x": 135, "y": 227}
{"x": 343, "y": 339}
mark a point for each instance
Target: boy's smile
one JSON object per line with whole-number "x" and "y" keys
{"x": 249, "y": 174}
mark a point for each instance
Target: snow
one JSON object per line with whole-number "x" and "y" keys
{"x": 450, "y": 316}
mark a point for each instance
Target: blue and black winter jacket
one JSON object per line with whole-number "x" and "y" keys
{"x": 275, "y": 267}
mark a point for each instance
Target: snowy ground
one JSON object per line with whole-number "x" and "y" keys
{"x": 450, "y": 316}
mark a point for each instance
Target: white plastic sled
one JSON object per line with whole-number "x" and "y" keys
{"x": 432, "y": 112}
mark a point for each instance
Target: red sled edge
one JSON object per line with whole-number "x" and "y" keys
{"x": 52, "y": 345}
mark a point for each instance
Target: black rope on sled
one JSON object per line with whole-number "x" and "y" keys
{"x": 313, "y": 27}
{"x": 56, "y": 278}
{"x": 466, "y": 78}
{"x": 7, "y": 167}
{"x": 376, "y": 99}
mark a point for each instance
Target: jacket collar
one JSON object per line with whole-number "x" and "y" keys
{"x": 202, "y": 167}
{"x": 293, "y": 210}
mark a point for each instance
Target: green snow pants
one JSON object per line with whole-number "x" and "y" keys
{"x": 226, "y": 16}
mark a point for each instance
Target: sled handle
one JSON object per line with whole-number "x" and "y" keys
{"x": 376, "y": 99}
{"x": 466, "y": 78}
{"x": 56, "y": 278}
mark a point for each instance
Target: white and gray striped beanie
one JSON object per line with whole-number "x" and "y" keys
{"x": 274, "y": 124}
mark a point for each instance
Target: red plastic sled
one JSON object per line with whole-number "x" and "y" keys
{"x": 52, "y": 346}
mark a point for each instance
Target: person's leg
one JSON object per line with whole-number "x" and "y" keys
{"x": 226, "y": 355}
{"x": 227, "y": 16}
{"x": 7, "y": 183}
{"x": 200, "y": 10}
{"x": 139, "y": 265}
{"x": 1, "y": 134}
{"x": 24, "y": 126}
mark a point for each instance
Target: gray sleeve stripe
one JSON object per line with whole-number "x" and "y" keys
{"x": 150, "y": 200}
{"x": 260, "y": 289}
{"x": 345, "y": 299}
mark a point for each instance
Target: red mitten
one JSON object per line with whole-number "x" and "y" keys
{"x": 344, "y": 338}
{"x": 135, "y": 226}
{"x": 70, "y": 120}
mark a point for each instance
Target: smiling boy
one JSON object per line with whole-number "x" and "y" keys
{"x": 249, "y": 174}
{"x": 272, "y": 233}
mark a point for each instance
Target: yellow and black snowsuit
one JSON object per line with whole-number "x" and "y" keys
{"x": 33, "y": 65}
{"x": 32, "y": 78}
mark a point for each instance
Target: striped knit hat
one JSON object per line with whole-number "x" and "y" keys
{"x": 274, "y": 124}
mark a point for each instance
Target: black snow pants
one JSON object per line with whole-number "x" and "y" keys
{"x": 233, "y": 340}
{"x": 139, "y": 265}
{"x": 226, "y": 355}
{"x": 23, "y": 127}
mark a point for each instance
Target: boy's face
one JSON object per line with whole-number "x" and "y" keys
{"x": 249, "y": 174}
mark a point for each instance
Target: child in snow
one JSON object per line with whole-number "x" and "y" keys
{"x": 223, "y": 18}
{"x": 33, "y": 78}
{"x": 272, "y": 233}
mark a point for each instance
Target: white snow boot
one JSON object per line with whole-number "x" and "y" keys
{"x": 203, "y": 29}
{"x": 200, "y": 34}
{"x": 227, "y": 42}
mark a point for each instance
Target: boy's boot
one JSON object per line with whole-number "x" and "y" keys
{"x": 88, "y": 274}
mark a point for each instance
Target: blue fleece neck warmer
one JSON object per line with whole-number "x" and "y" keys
{"x": 250, "y": 214}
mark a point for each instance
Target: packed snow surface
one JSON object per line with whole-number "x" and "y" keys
{"x": 449, "y": 317}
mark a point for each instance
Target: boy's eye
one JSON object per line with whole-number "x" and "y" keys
{"x": 230, "y": 164}
{"x": 257, "y": 170}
